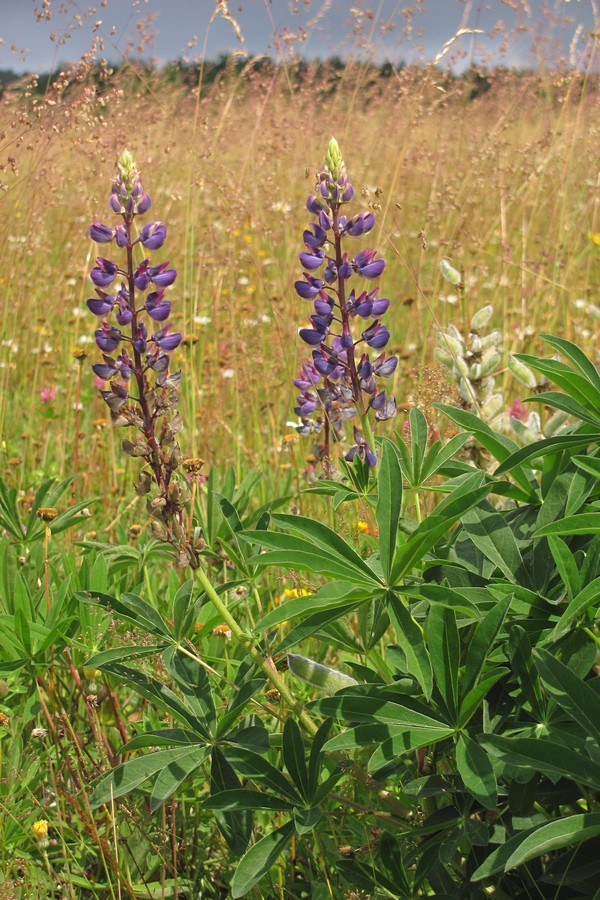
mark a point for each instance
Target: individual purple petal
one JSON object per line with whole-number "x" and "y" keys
{"x": 323, "y": 307}
{"x": 376, "y": 336}
{"x": 102, "y": 304}
{"x": 141, "y": 276}
{"x": 153, "y": 235}
{"x": 386, "y": 367}
{"x": 325, "y": 220}
{"x": 347, "y": 341}
{"x": 313, "y": 239}
{"x": 345, "y": 270}
{"x": 160, "y": 363}
{"x": 314, "y": 204}
{"x": 115, "y": 203}
{"x": 311, "y": 337}
{"x": 107, "y": 338}
{"x": 143, "y": 204}
{"x": 157, "y": 308}
{"x": 324, "y": 365}
{"x": 362, "y": 223}
{"x": 312, "y": 260}
{"x": 378, "y": 402}
{"x": 104, "y": 371}
{"x": 309, "y": 288}
{"x": 330, "y": 274}
{"x": 140, "y": 339}
{"x": 380, "y": 306}
{"x": 104, "y": 272}
{"x": 124, "y": 366}
{"x": 366, "y": 265}
{"x": 161, "y": 275}
{"x": 122, "y": 236}
{"x": 101, "y": 234}
{"x": 348, "y": 193}
{"x": 124, "y": 315}
{"x": 307, "y": 403}
{"x": 165, "y": 340}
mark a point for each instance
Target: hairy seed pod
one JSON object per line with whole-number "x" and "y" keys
{"x": 322, "y": 677}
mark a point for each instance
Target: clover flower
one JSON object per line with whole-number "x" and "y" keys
{"x": 342, "y": 380}
{"x": 141, "y": 393}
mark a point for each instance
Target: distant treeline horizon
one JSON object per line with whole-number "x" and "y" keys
{"x": 208, "y": 72}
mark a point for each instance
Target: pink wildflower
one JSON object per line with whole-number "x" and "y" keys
{"x": 47, "y": 395}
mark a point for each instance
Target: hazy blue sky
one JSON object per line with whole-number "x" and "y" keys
{"x": 330, "y": 26}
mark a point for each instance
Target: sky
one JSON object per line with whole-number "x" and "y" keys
{"x": 40, "y": 35}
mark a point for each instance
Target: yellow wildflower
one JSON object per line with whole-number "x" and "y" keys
{"x": 40, "y": 828}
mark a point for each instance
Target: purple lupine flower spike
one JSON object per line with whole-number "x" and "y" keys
{"x": 339, "y": 384}
{"x": 141, "y": 393}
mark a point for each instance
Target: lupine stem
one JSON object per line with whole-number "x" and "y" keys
{"x": 265, "y": 664}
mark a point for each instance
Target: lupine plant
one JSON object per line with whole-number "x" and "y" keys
{"x": 341, "y": 381}
{"x": 150, "y": 409}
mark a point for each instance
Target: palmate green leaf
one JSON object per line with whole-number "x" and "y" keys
{"x": 410, "y": 638}
{"x": 236, "y": 825}
{"x": 173, "y": 775}
{"x": 573, "y": 353}
{"x": 242, "y": 798}
{"x": 582, "y": 523}
{"x": 183, "y": 609}
{"x": 389, "y": 504}
{"x": 442, "y": 596}
{"x": 540, "y": 754}
{"x": 538, "y": 841}
{"x": 498, "y": 445}
{"x": 472, "y": 700}
{"x": 323, "y": 537}
{"x": 259, "y": 859}
{"x": 290, "y": 551}
{"x": 476, "y": 770}
{"x": 444, "y": 650}
{"x": 439, "y": 454}
{"x": 573, "y": 694}
{"x": 130, "y": 774}
{"x": 558, "y": 400}
{"x": 492, "y": 535}
{"x": 419, "y": 431}
{"x": 162, "y": 737}
{"x": 192, "y": 680}
{"x": 545, "y": 447}
{"x": 250, "y": 765}
{"x": 293, "y": 756}
{"x": 158, "y": 693}
{"x": 576, "y": 385}
{"x": 519, "y": 648}
{"x": 377, "y": 706}
{"x": 362, "y": 736}
{"x": 482, "y": 642}
{"x": 405, "y": 740}
{"x": 316, "y": 757}
{"x": 131, "y": 607}
{"x": 334, "y": 594}
{"x": 118, "y": 654}
{"x": 588, "y": 596}
{"x": 314, "y": 623}
{"x": 566, "y": 564}
{"x": 589, "y": 464}
{"x": 467, "y": 492}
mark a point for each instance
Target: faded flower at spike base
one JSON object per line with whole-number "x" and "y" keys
{"x": 341, "y": 381}
{"x": 139, "y": 390}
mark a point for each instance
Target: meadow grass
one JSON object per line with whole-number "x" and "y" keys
{"x": 503, "y": 185}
